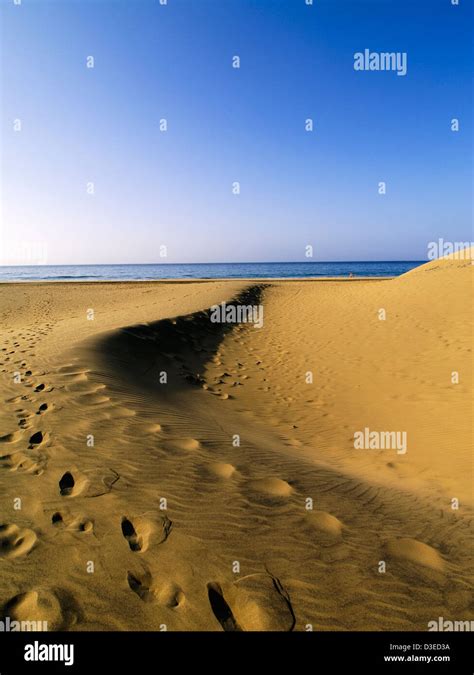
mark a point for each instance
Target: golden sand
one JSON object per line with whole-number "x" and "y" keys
{"x": 158, "y": 470}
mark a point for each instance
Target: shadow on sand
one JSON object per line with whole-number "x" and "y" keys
{"x": 172, "y": 352}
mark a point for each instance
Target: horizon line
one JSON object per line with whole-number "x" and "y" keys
{"x": 258, "y": 262}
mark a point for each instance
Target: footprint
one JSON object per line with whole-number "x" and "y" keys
{"x": 18, "y": 461}
{"x": 221, "y": 469}
{"x": 15, "y": 541}
{"x": 76, "y": 376}
{"x": 139, "y": 530}
{"x": 36, "y": 439}
{"x": 153, "y": 428}
{"x": 294, "y": 442}
{"x": 271, "y": 487}
{"x": 141, "y": 585}
{"x": 137, "y": 534}
{"x": 325, "y": 523}
{"x": 71, "y": 522}
{"x": 21, "y": 412}
{"x": 257, "y": 602}
{"x": 42, "y": 606}
{"x": 93, "y": 399}
{"x": 120, "y": 411}
{"x": 66, "y": 484}
{"x": 221, "y": 609}
{"x": 72, "y": 369}
{"x": 188, "y": 444}
{"x": 11, "y": 438}
{"x": 169, "y": 595}
{"x": 84, "y": 386}
{"x": 413, "y": 551}
{"x": 70, "y": 486}
{"x": 15, "y": 399}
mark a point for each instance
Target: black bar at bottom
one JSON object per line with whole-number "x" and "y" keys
{"x": 150, "y": 652}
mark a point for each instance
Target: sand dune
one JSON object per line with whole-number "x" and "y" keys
{"x": 160, "y": 471}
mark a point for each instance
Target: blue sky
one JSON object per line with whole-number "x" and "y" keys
{"x": 174, "y": 188}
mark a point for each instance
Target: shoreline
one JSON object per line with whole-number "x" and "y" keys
{"x": 200, "y": 280}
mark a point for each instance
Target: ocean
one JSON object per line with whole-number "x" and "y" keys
{"x": 264, "y": 270}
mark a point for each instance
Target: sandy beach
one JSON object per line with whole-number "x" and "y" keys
{"x": 159, "y": 471}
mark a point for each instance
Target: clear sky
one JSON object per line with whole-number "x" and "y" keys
{"x": 174, "y": 188}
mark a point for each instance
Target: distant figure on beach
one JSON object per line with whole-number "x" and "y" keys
{"x": 351, "y": 276}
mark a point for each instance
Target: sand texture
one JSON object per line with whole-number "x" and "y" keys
{"x": 133, "y": 503}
